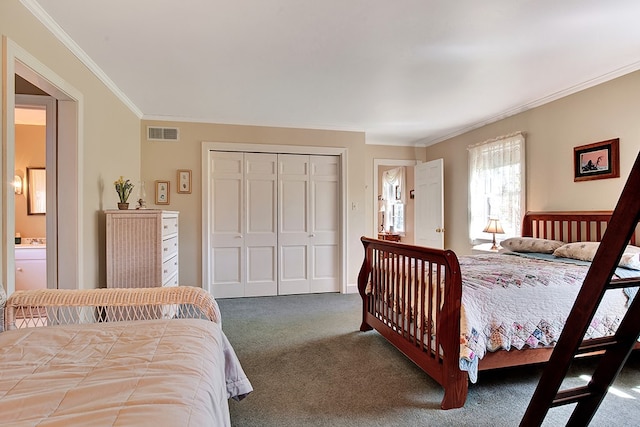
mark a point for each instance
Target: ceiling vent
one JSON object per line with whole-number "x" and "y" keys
{"x": 155, "y": 133}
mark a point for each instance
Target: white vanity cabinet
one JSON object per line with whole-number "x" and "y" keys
{"x": 31, "y": 267}
{"x": 142, "y": 248}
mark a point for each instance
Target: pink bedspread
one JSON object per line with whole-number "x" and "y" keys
{"x": 158, "y": 372}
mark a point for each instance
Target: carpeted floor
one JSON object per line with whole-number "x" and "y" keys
{"x": 310, "y": 366}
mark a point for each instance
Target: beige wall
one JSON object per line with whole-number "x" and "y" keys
{"x": 606, "y": 111}
{"x": 30, "y": 152}
{"x": 110, "y": 132}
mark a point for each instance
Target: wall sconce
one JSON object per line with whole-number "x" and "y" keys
{"x": 494, "y": 227}
{"x": 17, "y": 184}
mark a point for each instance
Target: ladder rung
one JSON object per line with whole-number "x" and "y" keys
{"x": 597, "y": 344}
{"x": 571, "y": 395}
{"x": 624, "y": 283}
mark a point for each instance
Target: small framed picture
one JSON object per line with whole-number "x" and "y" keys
{"x": 597, "y": 161}
{"x": 162, "y": 192}
{"x": 184, "y": 181}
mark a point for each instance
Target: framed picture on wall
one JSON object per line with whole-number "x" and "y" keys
{"x": 184, "y": 181}
{"x": 162, "y": 192}
{"x": 599, "y": 160}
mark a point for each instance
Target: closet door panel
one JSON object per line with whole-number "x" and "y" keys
{"x": 294, "y": 218}
{"x": 261, "y": 233}
{"x": 324, "y": 208}
{"x": 226, "y": 224}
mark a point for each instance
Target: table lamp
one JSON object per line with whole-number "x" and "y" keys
{"x": 494, "y": 227}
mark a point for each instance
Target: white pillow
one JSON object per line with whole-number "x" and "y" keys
{"x": 531, "y": 244}
{"x": 630, "y": 260}
{"x": 585, "y": 251}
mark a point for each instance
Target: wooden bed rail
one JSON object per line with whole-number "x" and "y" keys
{"x": 422, "y": 321}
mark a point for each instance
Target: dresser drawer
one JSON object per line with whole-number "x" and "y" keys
{"x": 169, "y": 225}
{"x": 169, "y": 247}
{"x": 169, "y": 268}
{"x": 171, "y": 281}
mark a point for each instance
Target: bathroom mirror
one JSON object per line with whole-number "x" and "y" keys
{"x": 36, "y": 191}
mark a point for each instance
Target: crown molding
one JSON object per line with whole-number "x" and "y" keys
{"x": 36, "y": 10}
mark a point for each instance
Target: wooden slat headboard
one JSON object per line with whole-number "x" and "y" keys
{"x": 568, "y": 226}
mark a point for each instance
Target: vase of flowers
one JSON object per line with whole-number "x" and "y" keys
{"x": 124, "y": 189}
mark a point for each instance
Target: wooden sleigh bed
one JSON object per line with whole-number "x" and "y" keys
{"x": 413, "y": 296}
{"x": 135, "y": 356}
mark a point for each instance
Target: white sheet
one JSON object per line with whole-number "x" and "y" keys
{"x": 177, "y": 372}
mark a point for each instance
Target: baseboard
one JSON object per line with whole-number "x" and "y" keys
{"x": 352, "y": 288}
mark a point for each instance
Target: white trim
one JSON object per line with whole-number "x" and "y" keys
{"x": 280, "y": 149}
{"x": 36, "y": 10}
{"x": 71, "y": 128}
{"x": 377, "y": 163}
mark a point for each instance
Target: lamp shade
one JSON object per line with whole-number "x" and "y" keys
{"x": 493, "y": 226}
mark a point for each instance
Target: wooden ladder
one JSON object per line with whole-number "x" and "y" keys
{"x": 614, "y": 349}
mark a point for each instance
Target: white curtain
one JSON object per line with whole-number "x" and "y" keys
{"x": 497, "y": 185}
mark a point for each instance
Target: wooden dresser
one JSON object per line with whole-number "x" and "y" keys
{"x": 142, "y": 248}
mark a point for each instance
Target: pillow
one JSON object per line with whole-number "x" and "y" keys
{"x": 630, "y": 260}
{"x": 585, "y": 251}
{"x": 531, "y": 244}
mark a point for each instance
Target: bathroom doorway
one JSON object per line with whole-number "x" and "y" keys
{"x": 63, "y": 217}
{"x": 35, "y": 133}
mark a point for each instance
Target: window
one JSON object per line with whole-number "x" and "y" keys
{"x": 393, "y": 200}
{"x": 497, "y": 185}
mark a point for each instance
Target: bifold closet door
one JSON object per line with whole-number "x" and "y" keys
{"x": 308, "y": 200}
{"x": 243, "y": 223}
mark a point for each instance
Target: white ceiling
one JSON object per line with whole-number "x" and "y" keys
{"x": 402, "y": 71}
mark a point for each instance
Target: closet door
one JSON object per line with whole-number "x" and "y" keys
{"x": 325, "y": 224}
{"x": 261, "y": 235}
{"x": 227, "y": 262}
{"x": 294, "y": 224}
{"x": 308, "y": 201}
{"x": 243, "y": 224}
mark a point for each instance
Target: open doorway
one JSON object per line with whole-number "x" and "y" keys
{"x": 35, "y": 131}
{"x": 63, "y": 215}
{"x": 382, "y": 210}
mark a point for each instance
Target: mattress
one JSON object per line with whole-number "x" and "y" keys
{"x": 178, "y": 372}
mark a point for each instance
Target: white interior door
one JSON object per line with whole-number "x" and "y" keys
{"x": 261, "y": 233}
{"x": 275, "y": 223}
{"x": 226, "y": 224}
{"x": 429, "y": 204}
{"x": 309, "y": 224}
{"x": 294, "y": 224}
{"x": 325, "y": 224}
{"x": 244, "y": 231}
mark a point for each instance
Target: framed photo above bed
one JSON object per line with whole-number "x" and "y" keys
{"x": 599, "y": 160}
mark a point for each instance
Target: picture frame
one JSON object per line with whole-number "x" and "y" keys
{"x": 162, "y": 192}
{"x": 184, "y": 181}
{"x": 599, "y": 160}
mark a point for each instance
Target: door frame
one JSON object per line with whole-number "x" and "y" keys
{"x": 66, "y": 221}
{"x": 208, "y": 146}
{"x": 376, "y": 164}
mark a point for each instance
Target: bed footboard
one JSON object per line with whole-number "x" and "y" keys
{"x": 412, "y": 296}
{"x": 46, "y": 307}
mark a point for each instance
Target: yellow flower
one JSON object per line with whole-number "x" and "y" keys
{"x": 123, "y": 188}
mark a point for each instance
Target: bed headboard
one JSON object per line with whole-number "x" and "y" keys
{"x": 569, "y": 226}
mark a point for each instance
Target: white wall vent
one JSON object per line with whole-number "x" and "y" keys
{"x": 155, "y": 133}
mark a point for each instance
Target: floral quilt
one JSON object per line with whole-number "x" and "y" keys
{"x": 523, "y": 303}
